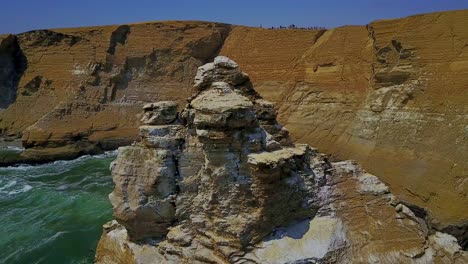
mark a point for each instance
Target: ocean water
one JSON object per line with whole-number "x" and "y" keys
{"x": 53, "y": 213}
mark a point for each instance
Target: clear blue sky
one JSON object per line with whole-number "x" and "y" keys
{"x": 24, "y": 15}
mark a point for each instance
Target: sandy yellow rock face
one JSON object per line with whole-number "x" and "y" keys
{"x": 416, "y": 112}
{"x": 391, "y": 95}
{"x": 89, "y": 83}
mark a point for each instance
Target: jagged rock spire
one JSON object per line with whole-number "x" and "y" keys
{"x": 221, "y": 182}
{"x": 222, "y": 166}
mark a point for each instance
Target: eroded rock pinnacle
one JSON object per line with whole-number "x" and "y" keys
{"x": 221, "y": 182}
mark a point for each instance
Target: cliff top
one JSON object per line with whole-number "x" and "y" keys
{"x": 178, "y": 23}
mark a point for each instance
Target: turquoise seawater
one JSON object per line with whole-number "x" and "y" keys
{"x": 53, "y": 213}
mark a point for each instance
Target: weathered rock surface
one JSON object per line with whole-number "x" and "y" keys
{"x": 359, "y": 221}
{"x": 208, "y": 187}
{"x": 142, "y": 198}
{"x": 86, "y": 85}
{"x": 146, "y": 175}
{"x": 391, "y": 95}
{"x": 160, "y": 113}
{"x": 235, "y": 192}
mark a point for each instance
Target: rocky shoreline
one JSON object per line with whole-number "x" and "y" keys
{"x": 390, "y": 94}
{"x": 222, "y": 182}
{"x": 41, "y": 155}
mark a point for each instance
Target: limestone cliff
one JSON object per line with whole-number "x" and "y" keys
{"x": 391, "y": 95}
{"x": 220, "y": 182}
{"x": 83, "y": 87}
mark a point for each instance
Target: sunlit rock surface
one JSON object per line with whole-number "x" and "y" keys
{"x": 221, "y": 182}
{"x": 390, "y": 95}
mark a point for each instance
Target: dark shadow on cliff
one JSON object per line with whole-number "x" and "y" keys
{"x": 119, "y": 36}
{"x": 13, "y": 63}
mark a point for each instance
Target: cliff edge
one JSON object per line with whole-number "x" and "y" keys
{"x": 391, "y": 94}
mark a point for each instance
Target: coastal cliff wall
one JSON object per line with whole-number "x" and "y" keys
{"x": 83, "y": 87}
{"x": 391, "y": 95}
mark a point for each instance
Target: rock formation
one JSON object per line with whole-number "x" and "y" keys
{"x": 221, "y": 182}
{"x": 214, "y": 167}
{"x": 390, "y": 94}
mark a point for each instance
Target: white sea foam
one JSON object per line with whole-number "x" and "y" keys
{"x": 12, "y": 148}
{"x": 8, "y": 185}
{"x": 26, "y": 188}
{"x": 60, "y": 164}
{"x": 14, "y": 187}
{"x": 15, "y": 178}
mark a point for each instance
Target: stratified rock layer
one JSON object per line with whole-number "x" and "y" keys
{"x": 235, "y": 190}
{"x": 215, "y": 184}
{"x": 391, "y": 95}
{"x": 82, "y": 88}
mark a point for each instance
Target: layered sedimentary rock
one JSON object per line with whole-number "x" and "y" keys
{"x": 83, "y": 87}
{"x": 220, "y": 182}
{"x": 391, "y": 95}
{"x": 145, "y": 175}
{"x": 206, "y": 173}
